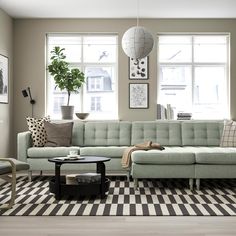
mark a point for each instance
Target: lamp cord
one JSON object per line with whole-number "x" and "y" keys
{"x": 137, "y": 12}
{"x": 32, "y": 110}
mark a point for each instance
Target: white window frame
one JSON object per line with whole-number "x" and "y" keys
{"x": 194, "y": 65}
{"x": 82, "y": 65}
{"x": 97, "y": 100}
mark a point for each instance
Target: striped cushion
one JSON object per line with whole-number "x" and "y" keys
{"x": 228, "y": 138}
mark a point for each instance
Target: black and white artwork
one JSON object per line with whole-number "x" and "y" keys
{"x": 3, "y": 79}
{"x": 138, "y": 95}
{"x": 138, "y": 69}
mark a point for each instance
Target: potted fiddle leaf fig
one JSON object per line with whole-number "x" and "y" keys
{"x": 66, "y": 78}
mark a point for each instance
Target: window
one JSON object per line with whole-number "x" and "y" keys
{"x": 96, "y": 56}
{"x": 193, "y": 74}
{"x": 95, "y": 104}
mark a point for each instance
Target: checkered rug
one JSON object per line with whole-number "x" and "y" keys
{"x": 154, "y": 198}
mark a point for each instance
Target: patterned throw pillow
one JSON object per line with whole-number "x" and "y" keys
{"x": 228, "y": 138}
{"x": 38, "y": 133}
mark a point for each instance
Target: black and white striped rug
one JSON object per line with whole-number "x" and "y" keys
{"x": 154, "y": 198}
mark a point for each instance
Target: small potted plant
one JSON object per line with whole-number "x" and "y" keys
{"x": 69, "y": 79}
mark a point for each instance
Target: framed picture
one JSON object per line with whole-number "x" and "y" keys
{"x": 4, "y": 79}
{"x": 138, "y": 95}
{"x": 138, "y": 69}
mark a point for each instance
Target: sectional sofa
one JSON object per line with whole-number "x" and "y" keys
{"x": 192, "y": 149}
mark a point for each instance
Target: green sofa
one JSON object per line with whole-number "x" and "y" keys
{"x": 191, "y": 149}
{"x": 89, "y": 138}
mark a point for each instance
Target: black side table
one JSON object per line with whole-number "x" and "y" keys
{"x": 59, "y": 188}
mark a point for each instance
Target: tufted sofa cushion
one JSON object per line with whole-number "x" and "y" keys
{"x": 201, "y": 133}
{"x": 107, "y": 133}
{"x": 107, "y": 151}
{"x": 46, "y": 152}
{"x": 169, "y": 156}
{"x": 215, "y": 155}
{"x": 167, "y": 133}
{"x": 78, "y": 134}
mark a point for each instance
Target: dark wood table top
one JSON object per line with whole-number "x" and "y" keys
{"x": 83, "y": 160}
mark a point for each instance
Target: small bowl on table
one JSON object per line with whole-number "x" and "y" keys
{"x": 82, "y": 116}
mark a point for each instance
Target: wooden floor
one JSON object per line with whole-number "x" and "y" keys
{"x": 114, "y": 226}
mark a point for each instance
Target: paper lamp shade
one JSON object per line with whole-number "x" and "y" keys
{"x": 137, "y": 42}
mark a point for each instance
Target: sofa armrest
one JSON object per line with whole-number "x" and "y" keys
{"x": 23, "y": 143}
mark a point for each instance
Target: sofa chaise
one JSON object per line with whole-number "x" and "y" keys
{"x": 192, "y": 149}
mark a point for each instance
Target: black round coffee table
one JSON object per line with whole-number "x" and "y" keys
{"x": 59, "y": 187}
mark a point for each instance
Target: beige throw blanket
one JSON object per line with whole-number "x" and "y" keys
{"x": 126, "y": 158}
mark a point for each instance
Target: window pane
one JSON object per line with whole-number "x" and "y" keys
{"x": 210, "y": 93}
{"x": 57, "y": 98}
{"x": 100, "y": 49}
{"x": 175, "y": 87}
{"x": 210, "y": 49}
{"x": 209, "y": 85}
{"x": 99, "y": 95}
{"x": 72, "y": 45}
{"x": 175, "y": 49}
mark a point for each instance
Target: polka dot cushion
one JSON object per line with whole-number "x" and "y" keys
{"x": 38, "y": 132}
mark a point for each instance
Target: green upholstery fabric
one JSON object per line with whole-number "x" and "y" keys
{"x": 114, "y": 165}
{"x": 215, "y": 171}
{"x": 201, "y": 133}
{"x": 167, "y": 133}
{"x": 24, "y": 142}
{"x": 78, "y": 134}
{"x": 5, "y": 167}
{"x": 162, "y": 171}
{"x": 191, "y": 148}
{"x": 169, "y": 156}
{"x": 107, "y": 133}
{"x": 47, "y": 152}
{"x": 108, "y": 151}
{"x": 215, "y": 155}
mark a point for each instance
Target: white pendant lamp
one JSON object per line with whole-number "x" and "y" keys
{"x": 137, "y": 42}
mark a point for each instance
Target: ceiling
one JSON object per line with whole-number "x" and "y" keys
{"x": 119, "y": 8}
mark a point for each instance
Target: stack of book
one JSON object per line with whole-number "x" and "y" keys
{"x": 161, "y": 112}
{"x": 169, "y": 112}
{"x": 184, "y": 116}
{"x": 165, "y": 113}
{"x": 88, "y": 178}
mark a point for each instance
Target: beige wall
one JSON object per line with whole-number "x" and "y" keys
{"x": 6, "y": 121}
{"x": 29, "y": 59}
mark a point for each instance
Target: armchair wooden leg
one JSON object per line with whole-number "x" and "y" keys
{"x": 11, "y": 180}
{"x": 13, "y": 192}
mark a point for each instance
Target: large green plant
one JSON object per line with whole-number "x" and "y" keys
{"x": 65, "y": 78}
